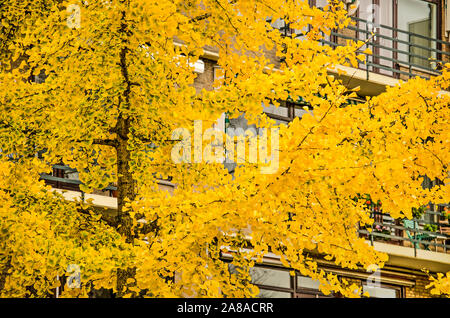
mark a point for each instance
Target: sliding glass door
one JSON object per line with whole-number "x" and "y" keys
{"x": 420, "y": 19}
{"x": 409, "y": 48}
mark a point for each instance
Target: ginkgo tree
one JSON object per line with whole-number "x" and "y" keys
{"x": 119, "y": 81}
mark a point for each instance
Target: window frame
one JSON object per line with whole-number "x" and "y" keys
{"x": 294, "y": 290}
{"x": 400, "y": 293}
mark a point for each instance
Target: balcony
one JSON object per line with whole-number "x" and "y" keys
{"x": 430, "y": 230}
{"x": 66, "y": 178}
{"x": 396, "y": 53}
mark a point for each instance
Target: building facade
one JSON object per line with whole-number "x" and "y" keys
{"x": 408, "y": 38}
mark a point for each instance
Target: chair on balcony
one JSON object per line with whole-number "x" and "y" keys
{"x": 414, "y": 236}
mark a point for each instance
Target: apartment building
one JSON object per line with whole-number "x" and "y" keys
{"x": 408, "y": 38}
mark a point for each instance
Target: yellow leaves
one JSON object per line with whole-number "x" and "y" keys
{"x": 104, "y": 73}
{"x": 353, "y": 291}
{"x": 440, "y": 285}
{"x": 361, "y": 57}
{"x": 43, "y": 235}
{"x": 254, "y": 291}
{"x": 341, "y": 71}
{"x": 367, "y": 51}
{"x": 372, "y": 268}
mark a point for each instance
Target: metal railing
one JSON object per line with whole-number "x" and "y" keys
{"x": 66, "y": 183}
{"x": 58, "y": 179}
{"x": 395, "y": 52}
{"x": 396, "y": 231}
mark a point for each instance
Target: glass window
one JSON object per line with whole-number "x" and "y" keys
{"x": 270, "y": 277}
{"x": 380, "y": 292}
{"x": 321, "y": 3}
{"x": 278, "y": 24}
{"x": 299, "y": 112}
{"x": 72, "y": 175}
{"x": 265, "y": 293}
{"x": 307, "y": 282}
{"x": 281, "y": 122}
{"x": 274, "y": 110}
{"x": 417, "y": 17}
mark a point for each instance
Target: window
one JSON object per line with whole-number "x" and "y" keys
{"x": 308, "y": 288}
{"x": 406, "y": 40}
{"x": 285, "y": 112}
{"x": 281, "y": 111}
{"x": 307, "y": 282}
{"x": 266, "y": 293}
{"x": 276, "y": 282}
{"x": 383, "y": 291}
{"x": 270, "y": 277}
{"x": 420, "y": 18}
{"x": 288, "y": 110}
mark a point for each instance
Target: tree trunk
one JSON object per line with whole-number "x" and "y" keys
{"x": 125, "y": 182}
{"x": 126, "y": 190}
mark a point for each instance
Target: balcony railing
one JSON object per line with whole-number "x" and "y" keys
{"x": 61, "y": 179}
{"x": 396, "y": 53}
{"x": 430, "y": 232}
{"x": 66, "y": 178}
